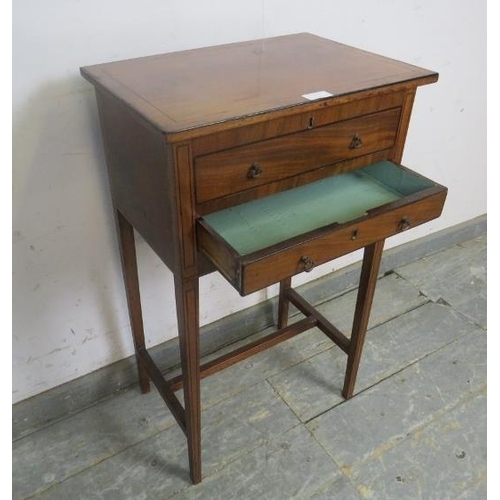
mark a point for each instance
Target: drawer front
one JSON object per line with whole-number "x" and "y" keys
{"x": 261, "y": 269}
{"x": 258, "y": 274}
{"x": 296, "y": 122}
{"x": 245, "y": 167}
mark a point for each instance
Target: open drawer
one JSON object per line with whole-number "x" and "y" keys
{"x": 261, "y": 242}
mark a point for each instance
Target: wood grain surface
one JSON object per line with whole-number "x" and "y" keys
{"x": 195, "y": 88}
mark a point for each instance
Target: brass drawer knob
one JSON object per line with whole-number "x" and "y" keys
{"x": 254, "y": 171}
{"x": 356, "y": 142}
{"x": 307, "y": 263}
{"x": 404, "y": 224}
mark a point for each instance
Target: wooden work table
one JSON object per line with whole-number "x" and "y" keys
{"x": 261, "y": 160}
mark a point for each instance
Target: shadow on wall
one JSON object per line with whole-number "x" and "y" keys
{"x": 68, "y": 306}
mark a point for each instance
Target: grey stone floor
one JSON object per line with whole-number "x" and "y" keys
{"x": 276, "y": 427}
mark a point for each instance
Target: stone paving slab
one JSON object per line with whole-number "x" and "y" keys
{"x": 393, "y": 297}
{"x": 437, "y": 462}
{"x": 457, "y": 275}
{"x": 145, "y": 471}
{"x": 378, "y": 419}
{"x": 158, "y": 466}
{"x": 293, "y": 465}
{"x": 340, "y": 489}
{"x": 315, "y": 385}
{"x": 475, "y": 492}
{"x": 69, "y": 446}
{"x": 245, "y": 374}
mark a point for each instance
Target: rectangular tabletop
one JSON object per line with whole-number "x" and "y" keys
{"x": 195, "y": 88}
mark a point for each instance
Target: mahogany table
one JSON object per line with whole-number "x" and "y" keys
{"x": 260, "y": 160}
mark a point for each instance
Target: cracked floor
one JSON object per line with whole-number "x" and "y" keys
{"x": 275, "y": 425}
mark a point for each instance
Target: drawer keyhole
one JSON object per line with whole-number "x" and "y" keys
{"x": 311, "y": 122}
{"x": 307, "y": 263}
{"x": 254, "y": 171}
{"x": 356, "y": 142}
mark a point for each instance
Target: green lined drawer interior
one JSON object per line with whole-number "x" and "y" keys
{"x": 264, "y": 222}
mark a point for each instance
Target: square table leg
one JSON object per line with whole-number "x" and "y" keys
{"x": 187, "y": 301}
{"x": 131, "y": 279}
{"x": 367, "y": 282}
{"x": 283, "y": 302}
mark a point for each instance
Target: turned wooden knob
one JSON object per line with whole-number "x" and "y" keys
{"x": 404, "y": 223}
{"x": 356, "y": 142}
{"x": 307, "y": 263}
{"x": 254, "y": 171}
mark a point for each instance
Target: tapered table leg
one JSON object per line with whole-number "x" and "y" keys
{"x": 367, "y": 283}
{"x": 131, "y": 279}
{"x": 187, "y": 299}
{"x": 283, "y": 303}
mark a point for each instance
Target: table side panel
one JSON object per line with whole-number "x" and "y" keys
{"x": 404, "y": 123}
{"x": 140, "y": 168}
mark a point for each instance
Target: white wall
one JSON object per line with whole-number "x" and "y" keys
{"x": 69, "y": 309}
